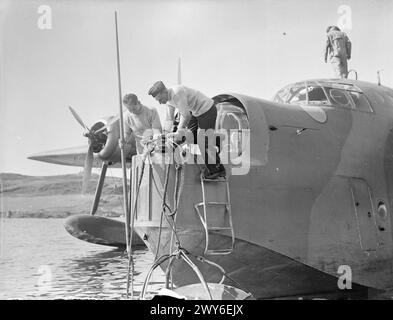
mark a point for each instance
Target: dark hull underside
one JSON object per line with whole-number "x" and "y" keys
{"x": 264, "y": 273}
{"x": 100, "y": 230}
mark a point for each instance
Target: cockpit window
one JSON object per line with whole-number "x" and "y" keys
{"x": 297, "y": 95}
{"x": 316, "y": 95}
{"x": 282, "y": 95}
{"x": 321, "y": 93}
{"x": 339, "y": 98}
{"x": 360, "y": 101}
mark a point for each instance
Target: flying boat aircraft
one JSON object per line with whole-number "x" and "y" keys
{"x": 308, "y": 194}
{"x": 315, "y": 198}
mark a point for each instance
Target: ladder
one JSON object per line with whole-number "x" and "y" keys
{"x": 227, "y": 212}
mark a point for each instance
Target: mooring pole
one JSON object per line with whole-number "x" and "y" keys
{"x": 122, "y": 143}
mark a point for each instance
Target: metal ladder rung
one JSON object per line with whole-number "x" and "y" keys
{"x": 203, "y": 217}
{"x": 215, "y": 180}
{"x": 219, "y": 251}
{"x": 214, "y": 203}
{"x": 218, "y": 228}
{"x": 227, "y": 204}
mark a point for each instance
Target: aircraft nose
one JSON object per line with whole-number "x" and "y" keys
{"x": 249, "y": 133}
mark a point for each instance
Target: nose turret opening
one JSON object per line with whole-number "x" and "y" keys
{"x": 232, "y": 122}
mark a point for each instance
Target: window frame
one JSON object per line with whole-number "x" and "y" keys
{"x": 344, "y": 87}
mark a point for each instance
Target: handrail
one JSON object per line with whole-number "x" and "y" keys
{"x": 356, "y": 74}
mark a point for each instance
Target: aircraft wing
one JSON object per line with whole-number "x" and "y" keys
{"x": 74, "y": 156}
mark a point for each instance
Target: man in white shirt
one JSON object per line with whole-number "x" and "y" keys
{"x": 196, "y": 110}
{"x": 139, "y": 120}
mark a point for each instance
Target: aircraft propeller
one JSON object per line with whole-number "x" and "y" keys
{"x": 78, "y": 118}
{"x": 88, "y": 166}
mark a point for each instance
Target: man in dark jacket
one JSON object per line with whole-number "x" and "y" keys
{"x": 338, "y": 49}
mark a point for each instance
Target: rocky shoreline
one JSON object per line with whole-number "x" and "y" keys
{"x": 46, "y": 214}
{"x": 56, "y": 196}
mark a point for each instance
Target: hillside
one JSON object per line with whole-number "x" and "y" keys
{"x": 56, "y": 196}
{"x": 17, "y": 184}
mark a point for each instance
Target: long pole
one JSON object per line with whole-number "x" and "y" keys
{"x": 179, "y": 71}
{"x": 122, "y": 142}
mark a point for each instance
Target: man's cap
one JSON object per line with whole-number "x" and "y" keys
{"x": 130, "y": 98}
{"x": 156, "y": 88}
{"x": 332, "y": 27}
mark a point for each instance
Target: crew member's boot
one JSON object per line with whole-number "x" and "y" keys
{"x": 214, "y": 171}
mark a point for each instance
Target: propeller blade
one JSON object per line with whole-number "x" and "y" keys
{"x": 78, "y": 118}
{"x": 87, "y": 168}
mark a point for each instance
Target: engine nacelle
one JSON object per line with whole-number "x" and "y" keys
{"x": 106, "y": 143}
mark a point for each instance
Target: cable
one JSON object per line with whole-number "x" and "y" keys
{"x": 163, "y": 208}
{"x": 130, "y": 258}
{"x": 179, "y": 252}
{"x": 225, "y": 274}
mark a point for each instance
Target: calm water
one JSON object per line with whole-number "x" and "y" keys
{"x": 40, "y": 260}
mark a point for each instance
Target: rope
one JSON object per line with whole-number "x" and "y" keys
{"x": 177, "y": 194}
{"x": 130, "y": 273}
{"x": 224, "y": 273}
{"x": 152, "y": 268}
{"x": 179, "y": 252}
{"x": 172, "y": 223}
{"x": 163, "y": 207}
{"x": 166, "y": 206}
{"x": 149, "y": 148}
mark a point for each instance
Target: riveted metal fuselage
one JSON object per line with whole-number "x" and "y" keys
{"x": 318, "y": 190}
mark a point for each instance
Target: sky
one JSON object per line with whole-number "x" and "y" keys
{"x": 253, "y": 47}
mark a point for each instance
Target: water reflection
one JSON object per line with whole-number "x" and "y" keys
{"x": 42, "y": 261}
{"x": 104, "y": 274}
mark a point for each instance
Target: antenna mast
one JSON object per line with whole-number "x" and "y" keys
{"x": 179, "y": 71}
{"x": 379, "y": 76}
